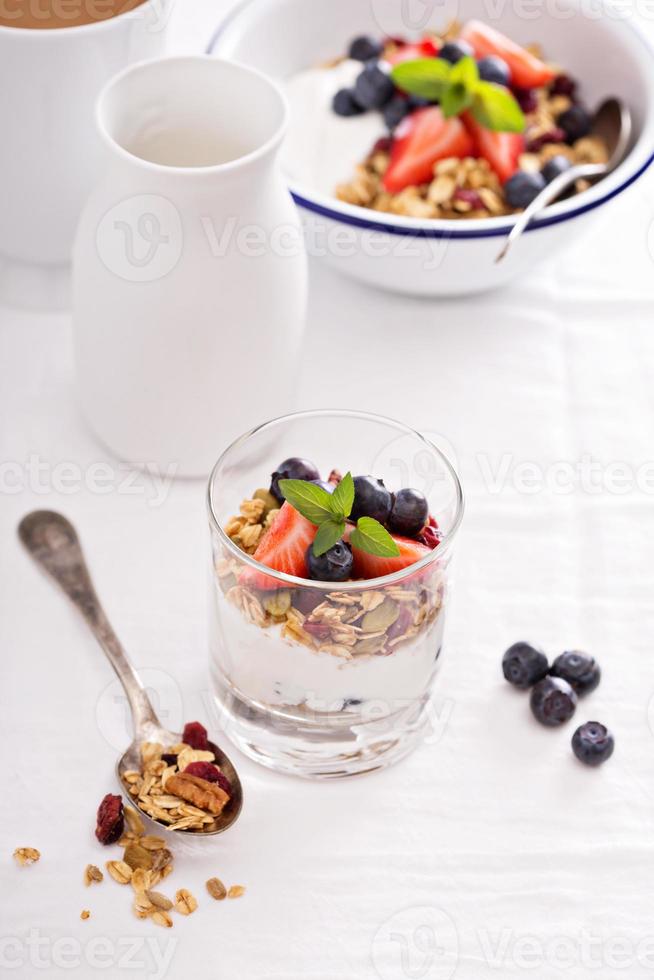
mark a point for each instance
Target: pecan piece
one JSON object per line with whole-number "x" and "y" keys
{"x": 199, "y": 792}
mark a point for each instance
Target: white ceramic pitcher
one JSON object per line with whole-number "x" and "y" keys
{"x": 189, "y": 274}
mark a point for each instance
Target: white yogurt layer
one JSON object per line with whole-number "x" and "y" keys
{"x": 322, "y": 149}
{"x": 265, "y": 667}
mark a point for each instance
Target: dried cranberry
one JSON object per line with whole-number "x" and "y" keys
{"x": 432, "y": 521}
{"x": 554, "y": 135}
{"x": 195, "y": 735}
{"x": 470, "y": 197}
{"x": 320, "y": 630}
{"x": 306, "y": 600}
{"x": 401, "y": 624}
{"x": 564, "y": 85}
{"x": 382, "y": 145}
{"x": 206, "y": 770}
{"x": 110, "y": 820}
{"x": 526, "y": 99}
{"x": 431, "y": 536}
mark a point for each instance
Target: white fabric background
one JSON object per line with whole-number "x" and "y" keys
{"x": 490, "y": 852}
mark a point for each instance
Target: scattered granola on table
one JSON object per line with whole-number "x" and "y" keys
{"x": 26, "y": 855}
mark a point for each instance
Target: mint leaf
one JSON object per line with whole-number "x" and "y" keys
{"x": 465, "y": 72}
{"x": 455, "y": 99}
{"x": 370, "y": 536}
{"x": 494, "y": 107}
{"x": 426, "y": 77}
{"x": 342, "y": 499}
{"x": 311, "y": 501}
{"x": 328, "y": 534}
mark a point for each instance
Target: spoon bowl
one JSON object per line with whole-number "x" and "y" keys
{"x": 613, "y": 125}
{"x": 52, "y": 542}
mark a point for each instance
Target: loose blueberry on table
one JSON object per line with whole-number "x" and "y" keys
{"x": 478, "y": 124}
{"x": 552, "y": 701}
{"x": 579, "y": 669}
{"x": 524, "y": 665}
{"x": 593, "y": 743}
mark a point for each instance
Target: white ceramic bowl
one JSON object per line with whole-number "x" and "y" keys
{"x": 600, "y": 44}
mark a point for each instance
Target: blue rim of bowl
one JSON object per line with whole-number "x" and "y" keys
{"x": 368, "y": 224}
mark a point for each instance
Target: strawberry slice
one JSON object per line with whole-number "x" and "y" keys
{"x": 371, "y": 566}
{"x": 502, "y": 150}
{"x": 410, "y": 52}
{"x": 527, "y": 71}
{"x": 283, "y": 547}
{"x": 422, "y": 138}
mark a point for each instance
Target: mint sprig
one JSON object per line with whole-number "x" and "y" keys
{"x": 330, "y": 511}
{"x": 459, "y": 88}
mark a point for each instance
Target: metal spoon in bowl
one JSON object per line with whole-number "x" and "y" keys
{"x": 53, "y": 543}
{"x": 612, "y": 123}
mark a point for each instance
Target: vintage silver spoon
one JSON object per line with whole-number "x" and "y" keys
{"x": 612, "y": 123}
{"x": 53, "y": 543}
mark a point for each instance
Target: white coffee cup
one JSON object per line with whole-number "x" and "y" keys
{"x": 51, "y": 153}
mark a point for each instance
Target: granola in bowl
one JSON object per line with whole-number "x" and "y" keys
{"x": 465, "y": 124}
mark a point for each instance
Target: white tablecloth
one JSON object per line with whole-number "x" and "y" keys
{"x": 490, "y": 851}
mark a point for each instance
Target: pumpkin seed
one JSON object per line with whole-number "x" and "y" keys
{"x": 216, "y": 889}
{"x": 137, "y": 857}
{"x": 381, "y": 617}
{"x": 159, "y": 901}
{"x": 268, "y": 500}
{"x": 278, "y": 604}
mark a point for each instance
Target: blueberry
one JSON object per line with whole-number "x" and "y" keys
{"x": 579, "y": 669}
{"x": 522, "y": 188}
{"x": 494, "y": 69}
{"x": 373, "y": 88}
{"x": 395, "y": 111}
{"x": 409, "y": 512}
{"x": 575, "y": 123}
{"x": 334, "y": 566}
{"x": 345, "y": 104}
{"x": 552, "y": 701}
{"x": 453, "y": 51}
{"x": 524, "y": 665}
{"x": 371, "y": 499}
{"x": 329, "y": 487}
{"x": 557, "y": 165}
{"x": 593, "y": 743}
{"x": 418, "y": 102}
{"x": 293, "y": 468}
{"x": 365, "y": 48}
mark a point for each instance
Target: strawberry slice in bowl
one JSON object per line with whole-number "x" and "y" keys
{"x": 502, "y": 150}
{"x": 283, "y": 548}
{"x": 527, "y": 71}
{"x": 368, "y": 566}
{"x": 421, "y": 139}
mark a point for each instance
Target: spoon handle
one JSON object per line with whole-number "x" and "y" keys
{"x": 52, "y": 542}
{"x": 548, "y": 194}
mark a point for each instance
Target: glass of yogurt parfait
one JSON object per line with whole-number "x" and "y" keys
{"x": 332, "y": 534}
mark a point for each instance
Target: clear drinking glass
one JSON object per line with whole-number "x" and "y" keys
{"x": 322, "y": 679}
